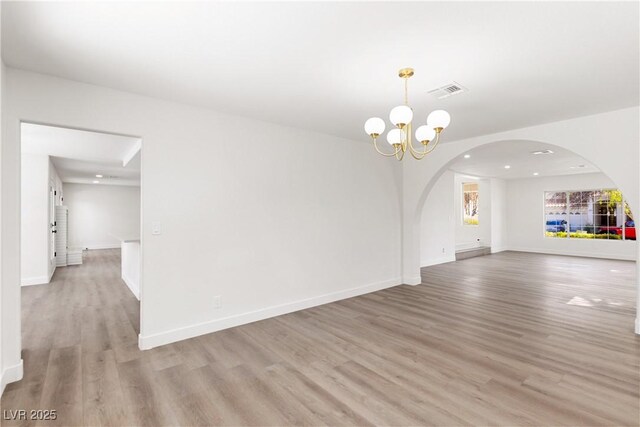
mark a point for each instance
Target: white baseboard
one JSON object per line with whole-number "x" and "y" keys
{"x": 411, "y": 280}
{"x": 11, "y": 374}
{"x": 465, "y": 246}
{"x": 495, "y": 250}
{"x": 154, "y": 340}
{"x": 637, "y": 329}
{"x": 102, "y": 246}
{"x": 134, "y": 289}
{"x": 30, "y": 281}
{"x": 436, "y": 261}
{"x": 586, "y": 254}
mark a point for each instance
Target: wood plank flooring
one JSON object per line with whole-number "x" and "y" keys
{"x": 506, "y": 339}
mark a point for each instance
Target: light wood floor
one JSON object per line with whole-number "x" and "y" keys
{"x": 506, "y": 339}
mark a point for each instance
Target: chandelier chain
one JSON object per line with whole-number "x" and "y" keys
{"x": 406, "y": 96}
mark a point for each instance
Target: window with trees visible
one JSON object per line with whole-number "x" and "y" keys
{"x": 592, "y": 214}
{"x": 470, "y": 203}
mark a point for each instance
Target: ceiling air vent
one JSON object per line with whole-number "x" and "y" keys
{"x": 448, "y": 90}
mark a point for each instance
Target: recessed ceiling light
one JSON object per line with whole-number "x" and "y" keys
{"x": 536, "y": 174}
{"x": 507, "y": 167}
{"x": 96, "y": 182}
{"x": 542, "y": 152}
{"x": 466, "y": 156}
{"x": 98, "y": 176}
{"x": 578, "y": 167}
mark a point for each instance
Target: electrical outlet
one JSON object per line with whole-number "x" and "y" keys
{"x": 217, "y": 303}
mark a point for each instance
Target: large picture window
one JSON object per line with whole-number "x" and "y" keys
{"x": 470, "y": 203}
{"x": 592, "y": 214}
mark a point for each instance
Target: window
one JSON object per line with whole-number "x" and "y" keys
{"x": 592, "y": 214}
{"x": 470, "y": 203}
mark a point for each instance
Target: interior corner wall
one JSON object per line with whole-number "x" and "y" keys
{"x": 526, "y": 224}
{"x": 2, "y": 323}
{"x": 499, "y": 229}
{"x": 10, "y": 340}
{"x": 437, "y": 230}
{"x": 56, "y": 183}
{"x": 470, "y": 236}
{"x": 273, "y": 224}
{"x": 34, "y": 236}
{"x": 101, "y": 216}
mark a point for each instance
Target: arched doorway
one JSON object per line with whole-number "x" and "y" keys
{"x": 468, "y": 210}
{"x": 583, "y": 136}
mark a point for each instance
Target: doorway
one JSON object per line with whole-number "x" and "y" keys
{"x": 80, "y": 207}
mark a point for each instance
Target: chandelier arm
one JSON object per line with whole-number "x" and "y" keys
{"x": 400, "y": 156}
{"x": 375, "y": 144}
{"x": 415, "y": 152}
{"x": 417, "y": 156}
{"x": 428, "y": 148}
{"x": 435, "y": 144}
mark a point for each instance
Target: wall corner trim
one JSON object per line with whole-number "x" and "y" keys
{"x": 147, "y": 342}
{"x": 11, "y": 374}
{"x": 637, "y": 330}
{"x": 39, "y": 280}
{"x": 130, "y": 284}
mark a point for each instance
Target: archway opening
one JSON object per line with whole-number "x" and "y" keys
{"x": 553, "y": 219}
{"x": 528, "y": 196}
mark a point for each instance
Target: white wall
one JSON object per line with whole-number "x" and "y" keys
{"x": 101, "y": 216}
{"x": 437, "y": 228}
{"x": 471, "y": 236}
{"x": 499, "y": 227}
{"x": 34, "y": 255}
{"x": 130, "y": 265}
{"x": 2, "y": 331}
{"x": 56, "y": 183}
{"x": 38, "y": 175}
{"x": 442, "y": 231}
{"x": 526, "y": 224}
{"x": 269, "y": 218}
{"x": 10, "y": 340}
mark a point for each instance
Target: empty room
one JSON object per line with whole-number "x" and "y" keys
{"x": 319, "y": 213}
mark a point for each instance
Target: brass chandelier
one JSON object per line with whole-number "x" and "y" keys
{"x": 400, "y": 136}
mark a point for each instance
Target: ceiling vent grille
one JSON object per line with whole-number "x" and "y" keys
{"x": 447, "y": 90}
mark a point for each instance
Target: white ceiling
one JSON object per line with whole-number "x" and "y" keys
{"x": 489, "y": 161}
{"x": 330, "y": 66}
{"x": 80, "y": 155}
